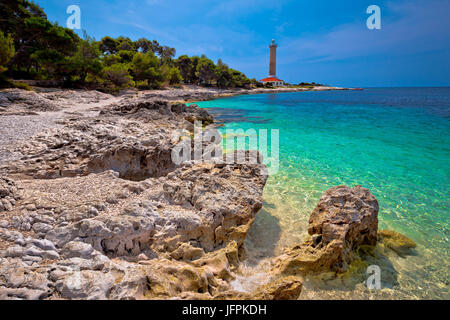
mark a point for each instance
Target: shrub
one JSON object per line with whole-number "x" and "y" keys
{"x": 145, "y": 66}
{"x": 171, "y": 75}
{"x": 125, "y": 56}
{"x": 118, "y": 76}
{"x": 143, "y": 85}
{"x": 94, "y": 81}
{"x": 21, "y": 85}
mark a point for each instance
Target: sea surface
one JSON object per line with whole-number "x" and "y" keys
{"x": 394, "y": 141}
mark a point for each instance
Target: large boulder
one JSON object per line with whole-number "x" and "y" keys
{"x": 344, "y": 219}
{"x": 346, "y": 214}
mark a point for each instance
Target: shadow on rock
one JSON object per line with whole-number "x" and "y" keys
{"x": 358, "y": 271}
{"x": 263, "y": 236}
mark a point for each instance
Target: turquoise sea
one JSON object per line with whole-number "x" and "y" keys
{"x": 394, "y": 141}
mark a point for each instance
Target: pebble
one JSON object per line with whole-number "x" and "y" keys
{"x": 10, "y": 235}
{"x": 52, "y": 255}
{"x": 20, "y": 242}
{"x": 77, "y": 249}
{"x": 7, "y": 205}
{"x": 122, "y": 195}
{"x": 31, "y": 259}
{"x": 93, "y": 212}
{"x": 4, "y": 223}
{"x": 11, "y": 200}
{"x": 112, "y": 200}
{"x": 100, "y": 206}
{"x": 40, "y": 227}
{"x": 33, "y": 251}
{"x": 14, "y": 252}
{"x": 26, "y": 226}
{"x": 44, "y": 244}
{"x": 30, "y": 207}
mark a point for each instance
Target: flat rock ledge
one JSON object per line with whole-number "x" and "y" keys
{"x": 95, "y": 208}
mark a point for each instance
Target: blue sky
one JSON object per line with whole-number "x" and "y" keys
{"x": 322, "y": 41}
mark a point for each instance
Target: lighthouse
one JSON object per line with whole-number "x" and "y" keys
{"x": 272, "y": 78}
{"x": 273, "y": 59}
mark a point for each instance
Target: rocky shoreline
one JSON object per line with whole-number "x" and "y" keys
{"x": 93, "y": 207}
{"x": 195, "y": 93}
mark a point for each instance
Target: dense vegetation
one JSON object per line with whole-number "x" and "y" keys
{"x": 31, "y": 47}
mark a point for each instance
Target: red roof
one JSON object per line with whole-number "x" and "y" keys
{"x": 270, "y": 79}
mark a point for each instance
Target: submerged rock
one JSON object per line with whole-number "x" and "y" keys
{"x": 397, "y": 242}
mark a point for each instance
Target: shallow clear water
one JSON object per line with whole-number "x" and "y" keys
{"x": 394, "y": 141}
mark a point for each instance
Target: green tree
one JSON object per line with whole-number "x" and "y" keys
{"x": 174, "y": 76}
{"x": 125, "y": 43}
{"x": 41, "y": 47}
{"x": 46, "y": 46}
{"x": 224, "y": 76}
{"x": 239, "y": 79}
{"x": 86, "y": 60}
{"x": 256, "y": 83}
{"x": 118, "y": 76}
{"x": 206, "y": 71}
{"x": 171, "y": 74}
{"x": 125, "y": 56}
{"x": 6, "y": 51}
{"x": 110, "y": 59}
{"x": 193, "y": 77}
{"x": 166, "y": 54}
{"x": 143, "y": 45}
{"x": 13, "y": 14}
{"x": 145, "y": 67}
{"x": 31, "y": 46}
{"x": 184, "y": 64}
{"x": 108, "y": 45}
